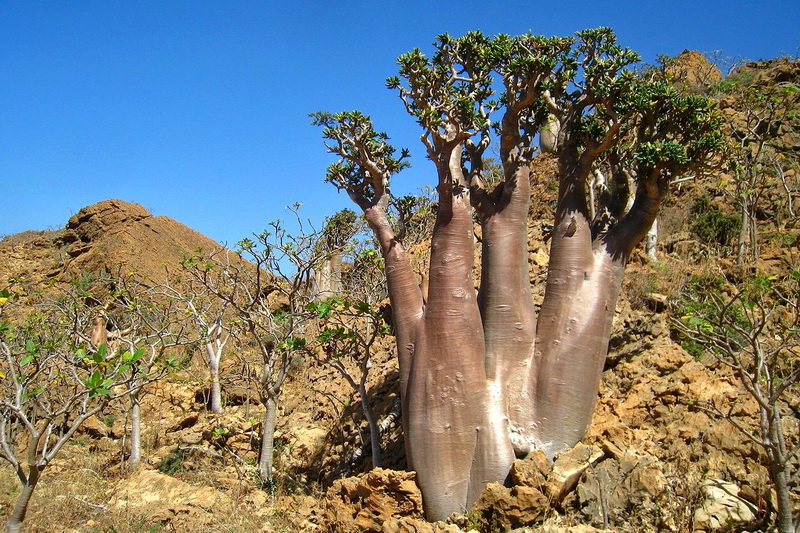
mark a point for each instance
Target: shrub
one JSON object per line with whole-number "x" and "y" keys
{"x": 714, "y": 227}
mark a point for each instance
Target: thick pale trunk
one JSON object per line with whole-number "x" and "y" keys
{"x": 548, "y": 136}
{"x": 374, "y": 430}
{"x": 574, "y": 326}
{"x": 507, "y": 311}
{"x": 572, "y": 342}
{"x": 267, "y": 440}
{"x": 216, "y": 388}
{"x": 328, "y": 278}
{"x": 135, "y": 458}
{"x": 14, "y": 524}
{"x": 456, "y": 444}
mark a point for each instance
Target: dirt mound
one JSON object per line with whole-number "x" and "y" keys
{"x": 109, "y": 236}
{"x": 692, "y": 70}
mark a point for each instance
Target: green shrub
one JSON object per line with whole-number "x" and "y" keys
{"x": 696, "y": 305}
{"x": 172, "y": 462}
{"x": 714, "y": 227}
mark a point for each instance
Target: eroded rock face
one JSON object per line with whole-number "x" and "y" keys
{"x": 365, "y": 503}
{"x": 502, "y": 508}
{"x": 111, "y": 236}
{"x": 692, "y": 70}
{"x": 96, "y": 220}
{"x": 609, "y": 490}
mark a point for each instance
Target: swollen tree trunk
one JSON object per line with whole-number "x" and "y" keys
{"x": 328, "y": 278}
{"x": 265, "y": 458}
{"x": 135, "y": 458}
{"x": 17, "y": 517}
{"x": 583, "y": 283}
{"x": 573, "y": 332}
{"x": 456, "y": 445}
{"x": 507, "y": 311}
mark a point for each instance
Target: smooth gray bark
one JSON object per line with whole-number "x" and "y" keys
{"x": 17, "y": 517}
{"x": 216, "y": 387}
{"x": 135, "y": 458}
{"x": 374, "y": 430}
{"x": 266, "y": 457}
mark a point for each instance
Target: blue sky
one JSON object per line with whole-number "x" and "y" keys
{"x": 198, "y": 109}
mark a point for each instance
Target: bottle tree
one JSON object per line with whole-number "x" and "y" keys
{"x": 481, "y": 380}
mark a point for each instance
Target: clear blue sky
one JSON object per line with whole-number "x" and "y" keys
{"x": 198, "y": 109}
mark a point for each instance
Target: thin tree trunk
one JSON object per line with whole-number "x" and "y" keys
{"x": 136, "y": 430}
{"x": 778, "y": 471}
{"x": 784, "y": 521}
{"x": 404, "y": 291}
{"x": 14, "y": 524}
{"x": 265, "y": 459}
{"x": 374, "y": 430}
{"x": 216, "y": 388}
{"x": 743, "y": 231}
{"x": 651, "y": 241}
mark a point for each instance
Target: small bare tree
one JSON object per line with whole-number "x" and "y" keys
{"x": 760, "y": 154}
{"x": 346, "y": 341}
{"x": 755, "y": 333}
{"x": 212, "y": 318}
{"x": 51, "y": 382}
{"x": 266, "y": 285}
{"x": 132, "y": 318}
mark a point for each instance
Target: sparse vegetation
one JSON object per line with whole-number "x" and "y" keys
{"x": 756, "y": 332}
{"x": 668, "y": 424}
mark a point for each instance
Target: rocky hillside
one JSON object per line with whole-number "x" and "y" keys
{"x": 652, "y": 461}
{"x": 109, "y": 236}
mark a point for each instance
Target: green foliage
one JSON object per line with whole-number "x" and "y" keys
{"x": 367, "y": 159}
{"x": 697, "y": 307}
{"x": 714, "y": 227}
{"x": 172, "y": 462}
{"x": 735, "y": 81}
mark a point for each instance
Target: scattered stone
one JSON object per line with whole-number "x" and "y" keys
{"x": 568, "y": 468}
{"x": 95, "y": 428}
{"x": 502, "y": 508}
{"x": 722, "y": 507}
{"x": 162, "y": 497}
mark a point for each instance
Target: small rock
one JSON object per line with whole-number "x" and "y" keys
{"x": 568, "y": 468}
{"x": 721, "y": 507}
{"x": 502, "y": 508}
{"x": 531, "y": 471}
